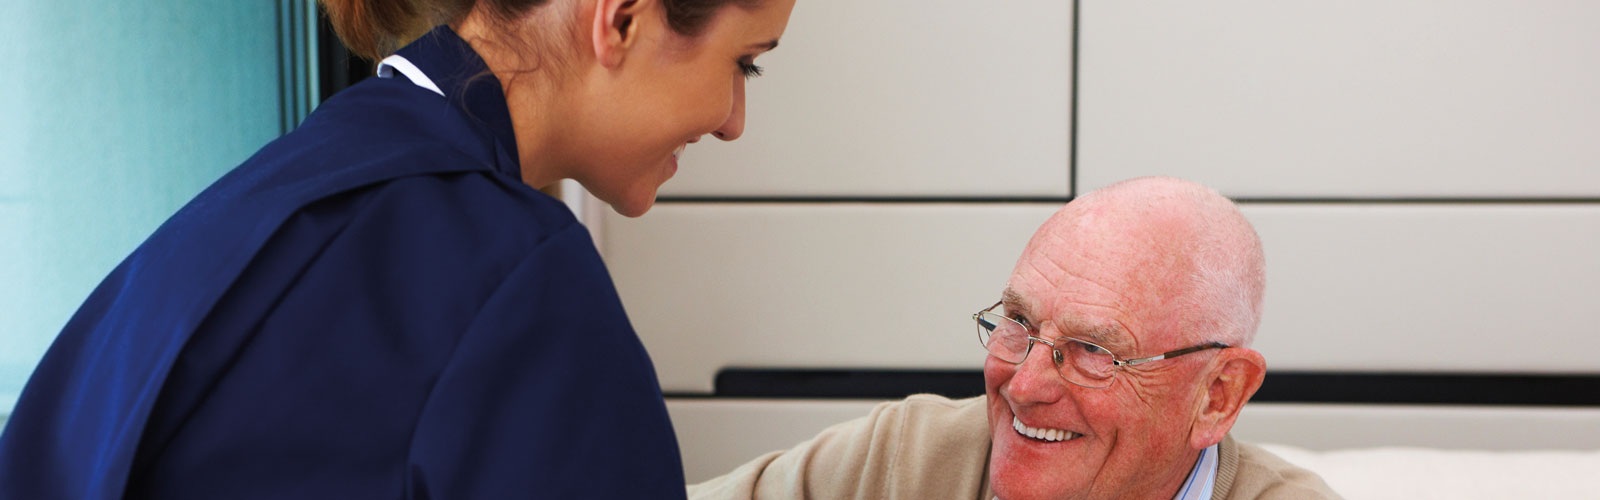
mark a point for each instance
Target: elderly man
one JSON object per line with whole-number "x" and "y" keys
{"x": 1118, "y": 360}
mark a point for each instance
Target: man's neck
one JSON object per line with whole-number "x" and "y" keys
{"x": 1174, "y": 475}
{"x": 1198, "y": 484}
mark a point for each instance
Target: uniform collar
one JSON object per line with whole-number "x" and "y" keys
{"x": 464, "y": 79}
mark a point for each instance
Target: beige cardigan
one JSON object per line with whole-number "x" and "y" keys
{"x": 931, "y": 447}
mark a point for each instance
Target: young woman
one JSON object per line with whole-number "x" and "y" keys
{"x": 380, "y": 304}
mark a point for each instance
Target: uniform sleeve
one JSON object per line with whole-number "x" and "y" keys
{"x": 921, "y": 447}
{"x": 549, "y": 394}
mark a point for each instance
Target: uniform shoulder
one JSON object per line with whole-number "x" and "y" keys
{"x": 363, "y": 137}
{"x": 478, "y": 209}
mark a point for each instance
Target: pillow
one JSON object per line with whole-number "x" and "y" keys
{"x": 1427, "y": 473}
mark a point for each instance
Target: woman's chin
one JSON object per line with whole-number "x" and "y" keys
{"x": 634, "y": 206}
{"x": 629, "y": 213}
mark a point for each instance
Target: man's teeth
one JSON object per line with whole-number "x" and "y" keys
{"x": 1039, "y": 433}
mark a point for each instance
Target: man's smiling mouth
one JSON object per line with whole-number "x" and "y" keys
{"x": 1040, "y": 433}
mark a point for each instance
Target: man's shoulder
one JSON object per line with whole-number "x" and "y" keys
{"x": 1249, "y": 471}
{"x": 924, "y": 446}
{"x": 964, "y": 423}
{"x": 934, "y": 409}
{"x": 908, "y": 427}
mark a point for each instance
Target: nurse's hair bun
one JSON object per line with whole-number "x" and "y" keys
{"x": 376, "y": 28}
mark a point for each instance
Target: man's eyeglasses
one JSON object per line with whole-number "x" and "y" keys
{"x": 1079, "y": 361}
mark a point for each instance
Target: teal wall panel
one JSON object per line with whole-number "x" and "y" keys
{"x": 112, "y": 115}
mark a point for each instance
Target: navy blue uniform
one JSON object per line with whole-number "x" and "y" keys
{"x": 373, "y": 306}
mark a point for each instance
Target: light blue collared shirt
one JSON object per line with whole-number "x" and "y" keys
{"x": 1201, "y": 477}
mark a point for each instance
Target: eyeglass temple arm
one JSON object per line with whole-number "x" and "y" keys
{"x": 978, "y": 316}
{"x": 1171, "y": 354}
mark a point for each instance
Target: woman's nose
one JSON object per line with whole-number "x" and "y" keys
{"x": 734, "y": 126}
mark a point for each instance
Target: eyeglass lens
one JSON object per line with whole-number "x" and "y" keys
{"x": 1083, "y": 363}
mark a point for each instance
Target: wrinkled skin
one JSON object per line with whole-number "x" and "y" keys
{"x": 1106, "y": 269}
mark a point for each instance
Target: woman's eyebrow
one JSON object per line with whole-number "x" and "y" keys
{"x": 767, "y": 45}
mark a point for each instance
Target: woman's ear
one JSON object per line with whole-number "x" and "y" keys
{"x": 1232, "y": 378}
{"x": 615, "y": 29}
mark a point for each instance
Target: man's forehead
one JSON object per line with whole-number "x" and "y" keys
{"x": 1108, "y": 334}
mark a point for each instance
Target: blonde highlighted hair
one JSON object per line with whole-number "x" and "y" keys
{"x": 376, "y": 28}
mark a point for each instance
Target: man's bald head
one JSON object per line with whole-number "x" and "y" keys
{"x": 1189, "y": 246}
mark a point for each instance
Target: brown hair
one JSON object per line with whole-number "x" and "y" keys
{"x": 376, "y": 28}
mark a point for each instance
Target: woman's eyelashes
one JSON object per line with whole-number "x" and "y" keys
{"x": 749, "y": 69}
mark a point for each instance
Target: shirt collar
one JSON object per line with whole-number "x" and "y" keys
{"x": 464, "y": 79}
{"x": 1201, "y": 478}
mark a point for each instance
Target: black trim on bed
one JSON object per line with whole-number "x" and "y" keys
{"x": 1500, "y": 389}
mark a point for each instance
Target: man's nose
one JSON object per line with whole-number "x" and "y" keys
{"x": 1037, "y": 379}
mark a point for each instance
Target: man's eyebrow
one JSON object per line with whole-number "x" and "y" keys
{"x": 1013, "y": 303}
{"x": 1104, "y": 335}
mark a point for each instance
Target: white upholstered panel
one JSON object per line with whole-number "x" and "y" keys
{"x": 1431, "y": 288}
{"x": 1390, "y": 473}
{"x": 1363, "y": 98}
{"x": 902, "y": 98}
{"x": 1339, "y": 426}
{"x": 1450, "y": 287}
{"x": 710, "y": 286}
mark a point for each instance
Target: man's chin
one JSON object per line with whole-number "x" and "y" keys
{"x": 1026, "y": 488}
{"x": 1022, "y": 470}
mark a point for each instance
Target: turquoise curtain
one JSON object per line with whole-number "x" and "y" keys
{"x": 112, "y": 115}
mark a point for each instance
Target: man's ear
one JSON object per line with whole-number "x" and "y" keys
{"x": 1234, "y": 376}
{"x": 615, "y": 29}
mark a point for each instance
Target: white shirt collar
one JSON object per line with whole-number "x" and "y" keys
{"x": 1201, "y": 478}
{"x": 391, "y": 64}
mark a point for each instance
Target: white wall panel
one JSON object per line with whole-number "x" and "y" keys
{"x": 1363, "y": 98}
{"x": 1448, "y": 287}
{"x": 716, "y": 435}
{"x": 902, "y": 98}
{"x": 1398, "y": 287}
{"x": 710, "y": 286}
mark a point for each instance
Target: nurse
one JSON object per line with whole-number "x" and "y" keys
{"x": 380, "y": 304}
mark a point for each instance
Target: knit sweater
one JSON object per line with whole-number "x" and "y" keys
{"x": 932, "y": 447}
